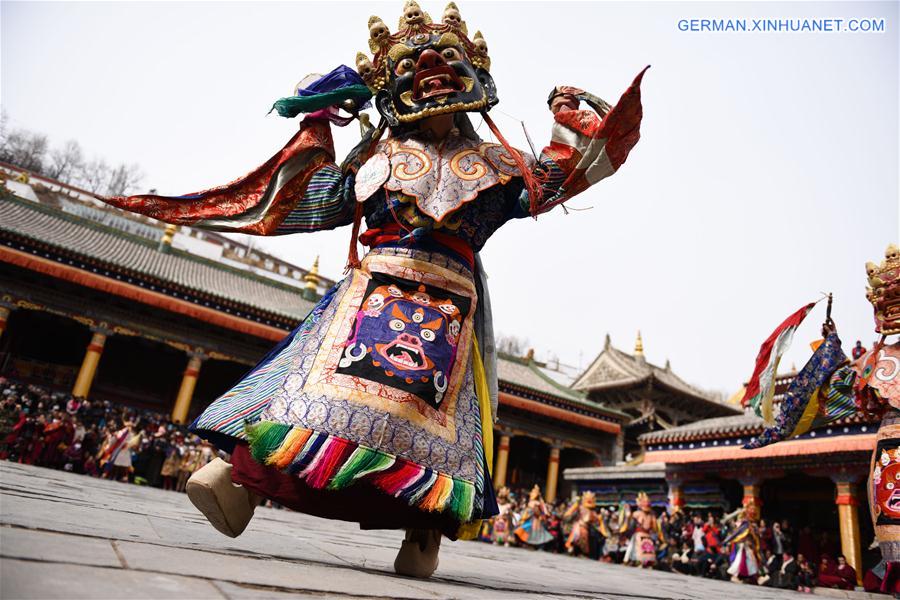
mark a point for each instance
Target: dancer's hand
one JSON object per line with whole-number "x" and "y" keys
{"x": 565, "y": 98}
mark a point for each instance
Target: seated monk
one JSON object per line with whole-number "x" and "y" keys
{"x": 840, "y": 575}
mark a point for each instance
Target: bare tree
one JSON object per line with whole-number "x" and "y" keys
{"x": 511, "y": 344}
{"x": 4, "y": 130}
{"x": 65, "y": 162}
{"x": 24, "y": 149}
{"x": 123, "y": 179}
{"x": 94, "y": 175}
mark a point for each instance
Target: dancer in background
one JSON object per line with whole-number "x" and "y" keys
{"x": 744, "y": 547}
{"x": 502, "y": 522}
{"x": 587, "y": 527}
{"x": 646, "y": 533}
{"x": 533, "y": 530}
{"x": 831, "y": 387}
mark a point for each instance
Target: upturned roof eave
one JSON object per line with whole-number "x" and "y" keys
{"x": 281, "y": 316}
{"x": 589, "y": 404}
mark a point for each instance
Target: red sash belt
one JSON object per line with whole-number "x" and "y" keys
{"x": 392, "y": 233}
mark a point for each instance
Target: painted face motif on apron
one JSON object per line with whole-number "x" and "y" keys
{"x": 406, "y": 335}
{"x": 886, "y": 482}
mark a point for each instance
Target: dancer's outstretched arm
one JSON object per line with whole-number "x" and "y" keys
{"x": 299, "y": 189}
{"x": 586, "y": 145}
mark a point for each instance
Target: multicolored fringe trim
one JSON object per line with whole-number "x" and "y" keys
{"x": 324, "y": 461}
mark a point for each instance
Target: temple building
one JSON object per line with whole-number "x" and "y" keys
{"x": 123, "y": 310}
{"x": 117, "y": 307}
{"x": 815, "y": 481}
{"x": 542, "y": 422}
{"x": 654, "y": 398}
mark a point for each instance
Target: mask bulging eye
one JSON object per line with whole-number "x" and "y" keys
{"x": 397, "y": 325}
{"x": 450, "y": 54}
{"x": 428, "y": 335}
{"x": 404, "y": 66}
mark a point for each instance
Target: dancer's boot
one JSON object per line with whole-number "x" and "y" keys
{"x": 418, "y": 556}
{"x": 227, "y": 506}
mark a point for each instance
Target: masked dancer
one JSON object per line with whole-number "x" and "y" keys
{"x": 831, "y": 387}
{"x": 533, "y": 529}
{"x": 646, "y": 533}
{"x": 743, "y": 545}
{"x": 379, "y": 407}
{"x": 502, "y": 522}
{"x": 587, "y": 528}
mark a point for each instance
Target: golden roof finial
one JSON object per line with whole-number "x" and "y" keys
{"x": 310, "y": 290}
{"x": 530, "y": 355}
{"x": 165, "y": 242}
{"x": 639, "y": 345}
{"x": 312, "y": 277}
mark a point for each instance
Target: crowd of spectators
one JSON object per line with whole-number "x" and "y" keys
{"x": 697, "y": 543}
{"x": 100, "y": 439}
{"x": 56, "y": 430}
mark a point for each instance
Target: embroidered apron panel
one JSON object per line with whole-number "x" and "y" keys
{"x": 885, "y": 482}
{"x": 884, "y": 497}
{"x": 406, "y": 334}
{"x": 389, "y": 365}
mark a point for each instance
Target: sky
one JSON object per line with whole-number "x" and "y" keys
{"x": 767, "y": 171}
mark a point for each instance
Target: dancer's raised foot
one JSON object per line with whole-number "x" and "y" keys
{"x": 227, "y": 506}
{"x": 418, "y": 556}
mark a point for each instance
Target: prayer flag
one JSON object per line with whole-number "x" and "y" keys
{"x": 761, "y": 387}
{"x": 821, "y": 393}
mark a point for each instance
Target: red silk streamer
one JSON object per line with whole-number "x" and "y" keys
{"x": 353, "y": 255}
{"x": 535, "y": 190}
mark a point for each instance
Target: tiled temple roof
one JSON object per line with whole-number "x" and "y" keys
{"x": 525, "y": 374}
{"x": 126, "y": 253}
{"x": 614, "y": 369}
{"x": 744, "y": 424}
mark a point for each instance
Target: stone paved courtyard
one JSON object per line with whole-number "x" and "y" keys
{"x": 71, "y": 536}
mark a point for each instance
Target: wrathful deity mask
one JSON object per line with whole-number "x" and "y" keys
{"x": 426, "y": 68}
{"x": 884, "y": 291}
{"x": 406, "y": 335}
